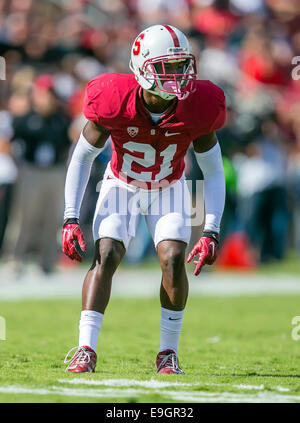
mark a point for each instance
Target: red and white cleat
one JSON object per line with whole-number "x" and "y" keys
{"x": 84, "y": 360}
{"x": 167, "y": 363}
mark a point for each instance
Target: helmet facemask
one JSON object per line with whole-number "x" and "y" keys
{"x": 173, "y": 75}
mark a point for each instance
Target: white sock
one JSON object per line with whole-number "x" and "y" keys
{"x": 170, "y": 327}
{"x": 89, "y": 328}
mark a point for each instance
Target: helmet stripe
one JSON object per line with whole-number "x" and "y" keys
{"x": 173, "y": 34}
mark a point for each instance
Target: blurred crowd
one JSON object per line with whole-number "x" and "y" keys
{"x": 52, "y": 48}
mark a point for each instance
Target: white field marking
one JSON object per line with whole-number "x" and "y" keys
{"x": 127, "y": 284}
{"x": 225, "y": 397}
{"x": 156, "y": 384}
{"x": 180, "y": 396}
{"x": 152, "y": 384}
{"x": 250, "y": 387}
{"x": 282, "y": 389}
{"x": 54, "y": 390}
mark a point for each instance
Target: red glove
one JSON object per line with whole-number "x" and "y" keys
{"x": 71, "y": 232}
{"x": 207, "y": 250}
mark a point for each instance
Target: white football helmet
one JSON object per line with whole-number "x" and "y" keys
{"x": 162, "y": 62}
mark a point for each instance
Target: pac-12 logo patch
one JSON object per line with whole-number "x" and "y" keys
{"x": 132, "y": 131}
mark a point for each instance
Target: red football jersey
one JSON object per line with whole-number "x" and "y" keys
{"x": 142, "y": 150}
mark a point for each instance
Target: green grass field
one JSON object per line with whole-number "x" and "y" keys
{"x": 233, "y": 349}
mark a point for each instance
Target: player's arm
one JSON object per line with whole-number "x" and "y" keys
{"x": 209, "y": 158}
{"x": 90, "y": 144}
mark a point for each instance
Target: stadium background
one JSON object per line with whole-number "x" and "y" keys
{"x": 238, "y": 338}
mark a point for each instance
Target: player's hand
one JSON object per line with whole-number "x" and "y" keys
{"x": 71, "y": 232}
{"x": 206, "y": 249}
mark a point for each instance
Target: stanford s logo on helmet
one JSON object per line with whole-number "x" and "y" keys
{"x": 162, "y": 62}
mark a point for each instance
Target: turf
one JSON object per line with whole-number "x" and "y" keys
{"x": 232, "y": 349}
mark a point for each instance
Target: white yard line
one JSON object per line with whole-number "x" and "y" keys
{"x": 136, "y": 283}
{"x": 54, "y": 390}
{"x": 152, "y": 384}
{"x": 156, "y": 384}
{"x": 282, "y": 389}
{"x": 222, "y": 397}
{"x": 250, "y": 387}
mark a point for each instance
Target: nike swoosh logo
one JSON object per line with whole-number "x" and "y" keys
{"x": 170, "y": 318}
{"x": 170, "y": 134}
{"x": 213, "y": 248}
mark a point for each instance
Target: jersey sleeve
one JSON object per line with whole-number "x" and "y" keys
{"x": 92, "y": 100}
{"x": 206, "y": 109}
{"x": 218, "y": 116}
{"x": 104, "y": 98}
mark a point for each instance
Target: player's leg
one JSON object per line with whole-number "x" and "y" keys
{"x": 97, "y": 284}
{"x": 174, "y": 284}
{"x": 96, "y": 289}
{"x": 171, "y": 231}
{"x": 95, "y": 296}
{"x": 173, "y": 296}
{"x": 111, "y": 235}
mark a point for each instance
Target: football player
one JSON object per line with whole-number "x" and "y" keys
{"x": 152, "y": 117}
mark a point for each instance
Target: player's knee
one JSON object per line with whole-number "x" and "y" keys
{"x": 110, "y": 256}
{"x": 172, "y": 260}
